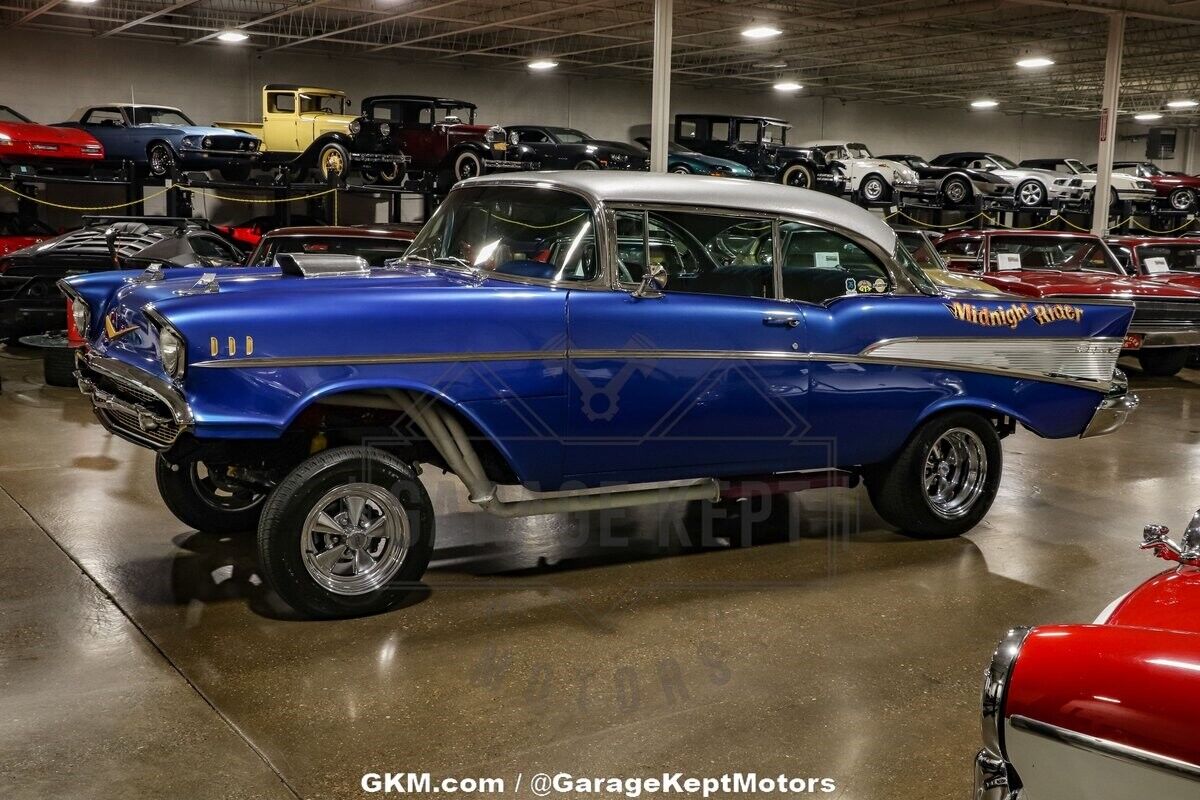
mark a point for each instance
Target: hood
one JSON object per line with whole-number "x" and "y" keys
{"x": 204, "y": 130}
{"x": 32, "y": 132}
{"x": 1047, "y": 175}
{"x": 1169, "y": 601}
{"x": 713, "y": 163}
{"x": 1176, "y": 179}
{"x": 902, "y": 170}
{"x": 1051, "y": 283}
{"x": 335, "y": 119}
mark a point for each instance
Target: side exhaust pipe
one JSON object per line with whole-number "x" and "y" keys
{"x": 446, "y": 434}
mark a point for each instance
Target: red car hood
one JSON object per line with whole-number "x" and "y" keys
{"x": 1172, "y": 181}
{"x": 32, "y": 132}
{"x": 1047, "y": 283}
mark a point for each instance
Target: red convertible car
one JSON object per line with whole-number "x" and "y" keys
{"x": 24, "y": 142}
{"x": 1045, "y": 264}
{"x": 1179, "y": 190}
{"x": 1106, "y": 711}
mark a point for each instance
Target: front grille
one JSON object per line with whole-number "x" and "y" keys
{"x": 127, "y": 417}
{"x": 227, "y": 142}
{"x": 1150, "y": 312}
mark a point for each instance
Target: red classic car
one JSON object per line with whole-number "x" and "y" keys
{"x": 249, "y": 233}
{"x": 1106, "y": 711}
{"x": 23, "y": 141}
{"x": 377, "y": 243}
{"x": 1179, "y": 190}
{"x": 1044, "y": 264}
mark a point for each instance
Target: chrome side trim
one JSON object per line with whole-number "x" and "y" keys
{"x": 1107, "y": 747}
{"x": 384, "y": 358}
{"x": 1084, "y": 359}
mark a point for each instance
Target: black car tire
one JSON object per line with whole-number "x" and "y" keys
{"x": 874, "y": 189}
{"x": 160, "y": 159}
{"x": 587, "y": 164}
{"x": 899, "y": 488}
{"x": 797, "y": 175}
{"x": 957, "y": 192}
{"x": 370, "y": 175}
{"x": 58, "y": 366}
{"x": 235, "y": 173}
{"x": 1036, "y": 199}
{"x": 467, "y": 164}
{"x": 1182, "y": 199}
{"x": 333, "y": 161}
{"x": 198, "y": 501}
{"x": 1162, "y": 362}
{"x": 392, "y": 172}
{"x": 681, "y": 169}
{"x": 304, "y": 494}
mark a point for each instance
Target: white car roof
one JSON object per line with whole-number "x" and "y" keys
{"x": 701, "y": 190}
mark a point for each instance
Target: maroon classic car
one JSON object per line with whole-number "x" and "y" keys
{"x": 1179, "y": 190}
{"x": 440, "y": 137}
{"x": 1044, "y": 264}
{"x": 24, "y": 142}
{"x": 1106, "y": 711}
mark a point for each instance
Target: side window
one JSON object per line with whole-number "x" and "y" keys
{"x": 720, "y": 131}
{"x": 702, "y": 253}
{"x": 281, "y": 103}
{"x": 688, "y": 130}
{"x": 103, "y": 116}
{"x": 748, "y": 132}
{"x": 533, "y": 135}
{"x": 819, "y": 265}
{"x": 210, "y": 247}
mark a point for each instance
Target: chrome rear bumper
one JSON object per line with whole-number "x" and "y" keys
{"x": 1111, "y": 414}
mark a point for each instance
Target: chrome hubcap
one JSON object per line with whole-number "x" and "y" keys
{"x": 355, "y": 539}
{"x": 1181, "y": 200}
{"x": 873, "y": 189}
{"x": 955, "y": 472}
{"x": 956, "y": 192}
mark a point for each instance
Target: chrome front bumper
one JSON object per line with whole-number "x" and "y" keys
{"x": 129, "y": 403}
{"x": 1111, "y": 414}
{"x": 991, "y": 779}
{"x": 1157, "y": 336}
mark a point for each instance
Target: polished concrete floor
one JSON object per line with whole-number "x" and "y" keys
{"x": 139, "y": 659}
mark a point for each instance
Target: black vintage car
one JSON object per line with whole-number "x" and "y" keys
{"x": 954, "y": 187}
{"x": 31, "y": 303}
{"x": 567, "y": 148}
{"x": 759, "y": 143}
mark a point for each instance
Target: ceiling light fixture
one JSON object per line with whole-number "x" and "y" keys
{"x": 542, "y": 65}
{"x": 761, "y": 32}
{"x": 1033, "y": 62}
{"x": 984, "y": 104}
{"x": 83, "y": 2}
{"x": 1149, "y": 117}
{"x": 232, "y": 36}
{"x": 1183, "y": 104}
{"x": 788, "y": 86}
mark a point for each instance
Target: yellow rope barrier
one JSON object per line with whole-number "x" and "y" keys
{"x": 931, "y": 225}
{"x": 215, "y": 196}
{"x": 1152, "y": 230}
{"x": 23, "y": 196}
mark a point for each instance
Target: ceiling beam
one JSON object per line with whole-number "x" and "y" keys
{"x": 133, "y": 23}
{"x": 37, "y": 12}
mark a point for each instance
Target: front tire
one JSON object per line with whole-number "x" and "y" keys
{"x": 333, "y": 161}
{"x": 943, "y": 481}
{"x": 1031, "y": 194}
{"x": 349, "y": 532}
{"x": 160, "y": 160}
{"x": 799, "y": 176}
{"x": 956, "y": 192}
{"x": 201, "y": 496}
{"x": 873, "y": 189}
{"x": 467, "y": 164}
{"x": 681, "y": 170}
{"x": 1162, "y": 362}
{"x": 586, "y": 164}
{"x": 1182, "y": 199}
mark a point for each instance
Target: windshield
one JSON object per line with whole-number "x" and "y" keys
{"x": 1152, "y": 169}
{"x": 517, "y": 231}
{"x": 858, "y": 151}
{"x": 569, "y": 135}
{"x": 1058, "y": 253}
{"x": 1157, "y": 259}
{"x": 1075, "y": 165}
{"x": 8, "y": 115}
{"x": 913, "y": 269}
{"x": 149, "y": 115}
{"x": 375, "y": 251}
{"x": 1003, "y": 162}
{"x": 324, "y": 103}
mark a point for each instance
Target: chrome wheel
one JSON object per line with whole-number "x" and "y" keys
{"x": 355, "y": 539}
{"x": 1031, "y": 194}
{"x": 872, "y": 189}
{"x": 956, "y": 192}
{"x": 161, "y": 159}
{"x": 955, "y": 472}
{"x": 1182, "y": 199}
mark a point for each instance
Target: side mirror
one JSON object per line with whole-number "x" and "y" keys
{"x": 653, "y": 283}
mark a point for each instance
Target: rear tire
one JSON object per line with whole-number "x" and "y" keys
{"x": 314, "y": 539}
{"x": 799, "y": 176}
{"x": 944, "y": 479}
{"x": 1162, "y": 362}
{"x": 200, "y": 499}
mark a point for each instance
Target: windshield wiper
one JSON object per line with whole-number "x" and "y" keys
{"x": 455, "y": 260}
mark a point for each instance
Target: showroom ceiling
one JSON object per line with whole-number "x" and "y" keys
{"x": 925, "y": 52}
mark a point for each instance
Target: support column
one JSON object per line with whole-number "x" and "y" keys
{"x": 1108, "y": 123}
{"x": 660, "y": 111}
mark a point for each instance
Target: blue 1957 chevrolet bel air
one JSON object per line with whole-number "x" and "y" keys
{"x": 599, "y": 339}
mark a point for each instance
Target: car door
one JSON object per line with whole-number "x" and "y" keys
{"x": 543, "y": 147}
{"x": 706, "y": 377}
{"x": 108, "y": 125}
{"x": 280, "y": 123}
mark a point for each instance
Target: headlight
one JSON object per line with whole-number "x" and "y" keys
{"x": 618, "y": 157}
{"x": 385, "y": 130}
{"x": 5, "y": 139}
{"x": 495, "y": 134}
{"x": 81, "y": 316}
{"x": 207, "y": 143}
{"x": 995, "y": 687}
{"x": 190, "y": 141}
{"x": 171, "y": 351}
{"x": 514, "y": 138}
{"x": 355, "y": 127}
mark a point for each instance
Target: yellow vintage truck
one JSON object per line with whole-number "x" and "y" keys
{"x": 307, "y": 127}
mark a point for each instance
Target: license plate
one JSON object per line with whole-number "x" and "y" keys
{"x": 501, "y": 146}
{"x": 1133, "y": 341}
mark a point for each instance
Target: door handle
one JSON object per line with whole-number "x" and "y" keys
{"x": 782, "y": 320}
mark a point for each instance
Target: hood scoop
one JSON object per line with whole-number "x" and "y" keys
{"x": 312, "y": 265}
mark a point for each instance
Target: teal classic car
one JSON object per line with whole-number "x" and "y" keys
{"x": 682, "y": 161}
